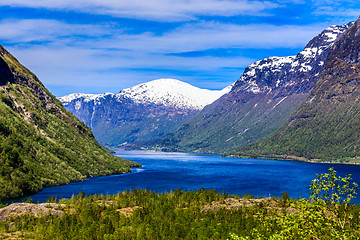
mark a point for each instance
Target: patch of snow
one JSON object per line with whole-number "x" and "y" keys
{"x": 305, "y": 67}
{"x": 309, "y": 52}
{"x": 77, "y": 105}
{"x": 277, "y": 82}
{"x": 312, "y": 99}
{"x": 229, "y": 139}
{"x": 334, "y": 31}
{"x": 279, "y": 102}
{"x": 251, "y": 73}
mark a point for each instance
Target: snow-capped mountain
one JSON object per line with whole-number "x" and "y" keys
{"x": 141, "y": 112}
{"x": 172, "y": 92}
{"x": 166, "y": 92}
{"x": 260, "y": 101}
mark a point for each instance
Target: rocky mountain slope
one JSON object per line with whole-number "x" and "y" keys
{"x": 326, "y": 126}
{"x": 42, "y": 144}
{"x": 260, "y": 101}
{"x": 143, "y": 112}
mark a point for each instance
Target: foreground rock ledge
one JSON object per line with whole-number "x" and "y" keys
{"x": 19, "y": 209}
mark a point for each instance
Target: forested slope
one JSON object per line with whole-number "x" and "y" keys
{"x": 41, "y": 144}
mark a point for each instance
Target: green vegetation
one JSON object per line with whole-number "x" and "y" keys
{"x": 201, "y": 214}
{"x": 333, "y": 189}
{"x": 229, "y": 123}
{"x": 41, "y": 144}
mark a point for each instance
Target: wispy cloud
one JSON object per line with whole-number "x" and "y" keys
{"x": 337, "y": 8}
{"x": 29, "y": 30}
{"x": 158, "y": 10}
{"x": 338, "y": 12}
{"x": 190, "y": 37}
{"x": 87, "y": 53}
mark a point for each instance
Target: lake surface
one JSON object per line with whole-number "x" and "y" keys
{"x": 163, "y": 172}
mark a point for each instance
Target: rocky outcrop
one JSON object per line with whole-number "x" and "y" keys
{"x": 16, "y": 210}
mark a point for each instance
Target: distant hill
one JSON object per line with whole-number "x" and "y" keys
{"x": 140, "y": 113}
{"x": 260, "y": 101}
{"x": 42, "y": 144}
{"x": 326, "y": 126}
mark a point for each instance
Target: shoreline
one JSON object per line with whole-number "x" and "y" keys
{"x": 24, "y": 198}
{"x": 292, "y": 158}
{"x": 277, "y": 157}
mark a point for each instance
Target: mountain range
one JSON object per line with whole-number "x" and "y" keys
{"x": 259, "y": 102}
{"x": 42, "y": 144}
{"x": 301, "y": 107}
{"x": 140, "y": 113}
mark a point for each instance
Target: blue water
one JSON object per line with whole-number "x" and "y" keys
{"x": 163, "y": 172}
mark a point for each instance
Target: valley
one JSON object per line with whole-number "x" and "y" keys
{"x": 172, "y": 119}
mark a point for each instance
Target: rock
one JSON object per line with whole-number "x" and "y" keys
{"x": 231, "y": 203}
{"x": 127, "y": 212}
{"x": 38, "y": 210}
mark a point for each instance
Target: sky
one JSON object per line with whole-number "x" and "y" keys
{"x": 97, "y": 46}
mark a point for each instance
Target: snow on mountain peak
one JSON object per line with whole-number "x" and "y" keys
{"x": 168, "y": 92}
{"x": 172, "y": 92}
{"x": 274, "y": 72}
{"x": 86, "y": 96}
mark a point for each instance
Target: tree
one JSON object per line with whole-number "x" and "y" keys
{"x": 333, "y": 189}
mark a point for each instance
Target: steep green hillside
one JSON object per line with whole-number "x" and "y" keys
{"x": 326, "y": 126}
{"x": 224, "y": 126}
{"x": 41, "y": 144}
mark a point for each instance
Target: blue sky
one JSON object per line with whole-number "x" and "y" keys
{"x": 97, "y": 46}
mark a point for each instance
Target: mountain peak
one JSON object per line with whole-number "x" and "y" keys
{"x": 172, "y": 92}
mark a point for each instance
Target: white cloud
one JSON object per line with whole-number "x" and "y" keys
{"x": 28, "y": 30}
{"x": 190, "y": 37}
{"x": 70, "y": 60}
{"x": 158, "y": 10}
{"x": 202, "y": 36}
{"x": 76, "y": 54}
{"x": 338, "y": 12}
{"x": 83, "y": 68}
